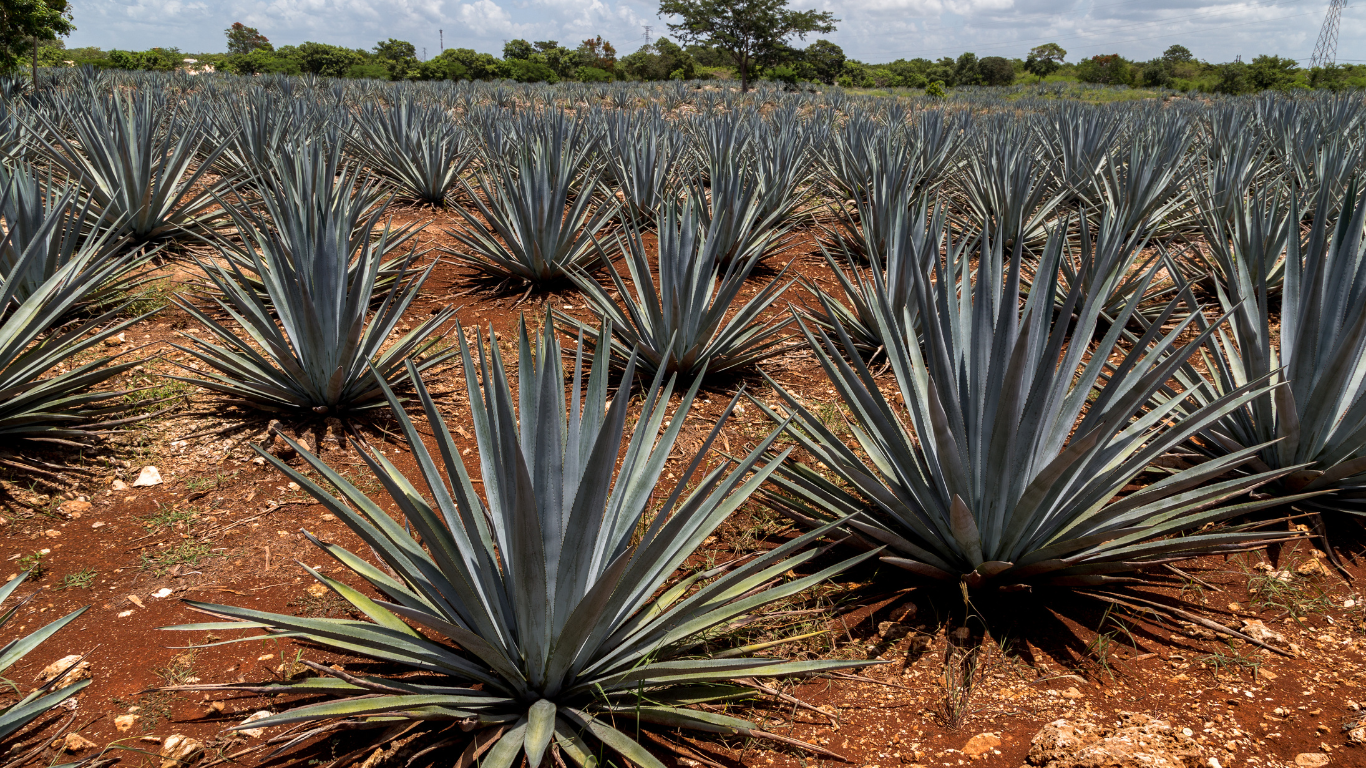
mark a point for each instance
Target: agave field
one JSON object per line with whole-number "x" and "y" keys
{"x": 432, "y": 424}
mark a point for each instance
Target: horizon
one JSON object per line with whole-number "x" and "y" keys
{"x": 872, "y": 31}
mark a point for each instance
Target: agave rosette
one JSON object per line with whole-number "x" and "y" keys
{"x": 552, "y": 594}
{"x": 44, "y": 698}
{"x": 1017, "y": 438}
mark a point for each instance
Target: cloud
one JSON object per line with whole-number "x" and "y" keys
{"x": 870, "y": 30}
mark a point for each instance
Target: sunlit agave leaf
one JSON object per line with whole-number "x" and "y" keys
{"x": 1015, "y": 440}
{"x": 547, "y": 592}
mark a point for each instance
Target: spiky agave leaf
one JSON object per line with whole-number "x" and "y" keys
{"x": 307, "y": 188}
{"x": 418, "y": 148}
{"x": 308, "y": 339}
{"x": 46, "y": 383}
{"x": 544, "y": 210}
{"x": 139, "y": 169}
{"x": 899, "y": 256}
{"x": 48, "y": 217}
{"x": 44, "y": 698}
{"x": 548, "y": 592}
{"x": 1018, "y": 437}
{"x": 643, "y": 156}
{"x": 1313, "y": 426}
{"x": 686, "y": 321}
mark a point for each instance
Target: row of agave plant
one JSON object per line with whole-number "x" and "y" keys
{"x": 1029, "y": 282}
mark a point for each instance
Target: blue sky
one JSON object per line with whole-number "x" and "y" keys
{"x": 870, "y": 30}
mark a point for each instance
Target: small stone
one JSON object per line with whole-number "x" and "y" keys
{"x": 1311, "y": 760}
{"x": 981, "y": 744}
{"x": 317, "y": 589}
{"x": 149, "y": 476}
{"x": 1072, "y": 693}
{"x": 1311, "y": 567}
{"x": 116, "y": 340}
{"x": 1214, "y": 763}
{"x": 254, "y": 733}
{"x": 135, "y": 600}
{"x": 118, "y": 485}
{"x": 1265, "y": 675}
{"x": 329, "y": 516}
{"x": 125, "y": 723}
{"x": 75, "y": 508}
{"x": 1255, "y": 629}
{"x": 74, "y": 742}
{"x": 179, "y": 749}
{"x": 69, "y": 668}
{"x": 163, "y": 592}
{"x": 1357, "y": 736}
{"x": 217, "y": 706}
{"x": 97, "y": 526}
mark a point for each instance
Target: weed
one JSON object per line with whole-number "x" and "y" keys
{"x": 1234, "y": 660}
{"x": 211, "y": 483}
{"x": 1286, "y": 591}
{"x": 82, "y": 579}
{"x": 190, "y": 553}
{"x": 169, "y": 517}
{"x": 33, "y": 563}
{"x": 179, "y": 671}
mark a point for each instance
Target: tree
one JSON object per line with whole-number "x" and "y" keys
{"x": 598, "y": 53}
{"x": 1109, "y": 69}
{"x": 967, "y": 70}
{"x": 243, "y": 39}
{"x": 1178, "y": 54}
{"x": 477, "y": 66}
{"x": 1232, "y": 79}
{"x": 23, "y": 23}
{"x": 1272, "y": 73}
{"x": 517, "y": 49}
{"x": 826, "y": 60}
{"x": 996, "y": 70}
{"x": 749, "y": 30}
{"x": 1044, "y": 60}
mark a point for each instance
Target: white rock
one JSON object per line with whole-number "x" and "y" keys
{"x": 254, "y": 733}
{"x": 179, "y": 749}
{"x": 118, "y": 485}
{"x": 163, "y": 592}
{"x": 69, "y": 668}
{"x": 147, "y": 477}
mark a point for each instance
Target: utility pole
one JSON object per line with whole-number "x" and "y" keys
{"x": 441, "y": 36}
{"x": 424, "y": 53}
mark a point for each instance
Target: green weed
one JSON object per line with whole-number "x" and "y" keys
{"x": 82, "y": 579}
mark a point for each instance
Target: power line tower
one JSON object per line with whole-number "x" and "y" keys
{"x": 648, "y": 30}
{"x": 1326, "y": 49}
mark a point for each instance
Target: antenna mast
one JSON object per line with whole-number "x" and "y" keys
{"x": 1326, "y": 49}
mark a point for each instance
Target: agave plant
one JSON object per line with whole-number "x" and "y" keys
{"x": 686, "y": 322}
{"x": 900, "y": 256}
{"x": 1313, "y": 427}
{"x": 139, "y": 171}
{"x": 1018, "y": 437}
{"x": 43, "y": 699}
{"x": 43, "y": 216}
{"x": 417, "y": 148}
{"x": 543, "y": 210}
{"x": 46, "y": 380}
{"x": 643, "y": 156}
{"x": 548, "y": 620}
{"x": 307, "y": 189}
{"x": 316, "y": 270}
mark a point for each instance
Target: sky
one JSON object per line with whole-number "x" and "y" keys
{"x": 869, "y": 30}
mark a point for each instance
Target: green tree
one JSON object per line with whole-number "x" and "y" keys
{"x": 1272, "y": 73}
{"x": 1178, "y": 54}
{"x": 996, "y": 70}
{"x": 323, "y": 59}
{"x": 659, "y": 61}
{"x": 826, "y": 60}
{"x": 1044, "y": 60}
{"x": 1108, "y": 69}
{"x": 517, "y": 49}
{"x": 24, "y": 23}
{"x": 398, "y": 57}
{"x": 1233, "y": 78}
{"x": 477, "y": 66}
{"x": 967, "y": 70}
{"x": 749, "y": 30}
{"x": 244, "y": 39}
